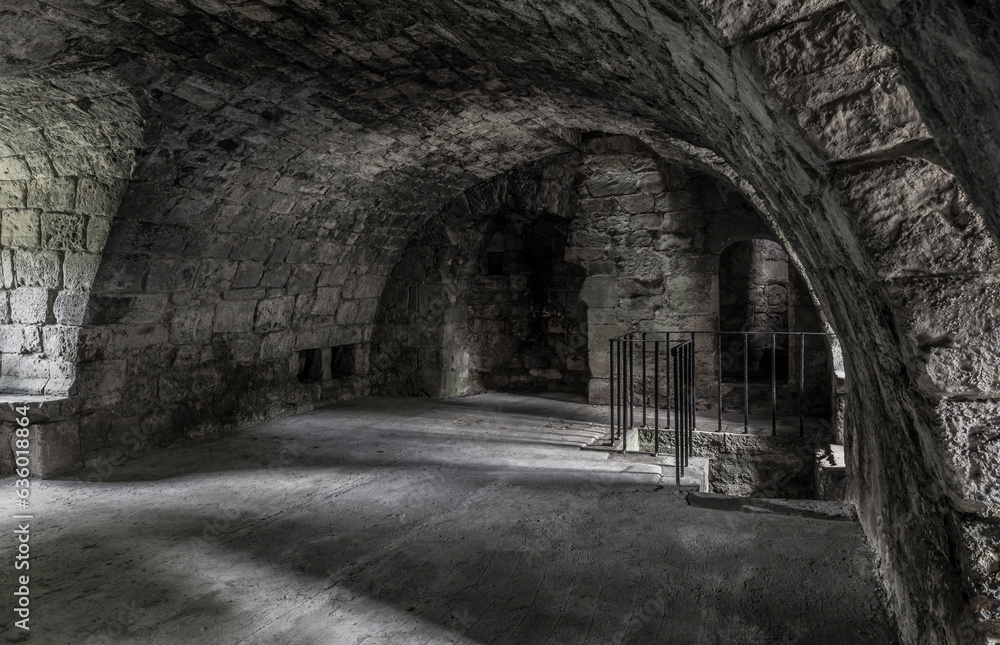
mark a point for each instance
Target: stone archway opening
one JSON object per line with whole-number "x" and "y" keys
{"x": 753, "y": 297}
{"x": 528, "y": 326}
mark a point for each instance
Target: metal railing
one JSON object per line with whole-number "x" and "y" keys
{"x": 636, "y": 355}
{"x": 677, "y": 357}
{"x": 778, "y": 340}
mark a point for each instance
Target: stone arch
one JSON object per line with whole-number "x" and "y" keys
{"x": 431, "y": 336}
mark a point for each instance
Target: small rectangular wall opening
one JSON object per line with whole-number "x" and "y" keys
{"x": 343, "y": 361}
{"x": 310, "y": 365}
{"x": 494, "y": 263}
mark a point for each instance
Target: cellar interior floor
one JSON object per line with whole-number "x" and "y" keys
{"x": 391, "y": 521}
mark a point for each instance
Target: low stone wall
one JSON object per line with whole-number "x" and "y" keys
{"x": 749, "y": 465}
{"x": 54, "y": 445}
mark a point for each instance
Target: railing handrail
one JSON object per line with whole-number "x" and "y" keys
{"x": 679, "y": 343}
{"x": 629, "y": 336}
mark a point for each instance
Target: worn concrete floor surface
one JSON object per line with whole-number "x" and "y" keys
{"x": 396, "y": 521}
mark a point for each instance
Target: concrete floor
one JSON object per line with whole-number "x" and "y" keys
{"x": 397, "y": 521}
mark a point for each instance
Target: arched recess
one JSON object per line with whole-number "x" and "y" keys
{"x": 471, "y": 305}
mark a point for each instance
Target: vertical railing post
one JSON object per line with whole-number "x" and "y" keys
{"x": 611, "y": 385}
{"x": 685, "y": 393}
{"x": 746, "y": 382}
{"x": 631, "y": 387}
{"x": 668, "y": 378}
{"x": 643, "y": 379}
{"x": 677, "y": 418}
{"x": 621, "y": 385}
{"x": 718, "y": 337}
{"x": 802, "y": 383}
{"x": 693, "y": 420}
{"x": 774, "y": 384}
{"x": 656, "y": 397}
{"x": 694, "y": 385}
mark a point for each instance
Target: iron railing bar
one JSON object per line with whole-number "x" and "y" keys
{"x": 774, "y": 384}
{"x": 656, "y": 398}
{"x": 719, "y": 357}
{"x": 802, "y": 385}
{"x": 611, "y": 385}
{"x": 746, "y": 383}
{"x": 631, "y": 392}
{"x": 643, "y": 379}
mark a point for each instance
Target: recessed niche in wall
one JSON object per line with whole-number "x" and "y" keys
{"x": 310, "y": 365}
{"x": 753, "y": 297}
{"x": 343, "y": 361}
{"x": 494, "y": 263}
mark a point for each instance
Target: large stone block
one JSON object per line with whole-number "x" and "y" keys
{"x": 274, "y": 314}
{"x": 20, "y": 339}
{"x": 303, "y": 278}
{"x": 20, "y": 228}
{"x": 29, "y": 305}
{"x": 234, "y": 316}
{"x": 192, "y": 326}
{"x": 674, "y": 201}
{"x": 56, "y": 449}
{"x": 948, "y": 322}
{"x": 13, "y": 194}
{"x": 248, "y": 274}
{"x": 280, "y": 344}
{"x": 13, "y": 169}
{"x": 37, "y": 269}
{"x": 215, "y": 274}
{"x": 254, "y": 249}
{"x": 245, "y": 348}
{"x": 98, "y": 229}
{"x": 171, "y": 275}
{"x": 79, "y": 271}
{"x": 120, "y": 273}
{"x": 95, "y": 198}
{"x": 54, "y": 194}
{"x": 637, "y": 203}
{"x": 600, "y": 291}
{"x": 62, "y": 231}
{"x": 70, "y": 308}
{"x": 6, "y": 268}
{"x": 327, "y": 299}
{"x": 275, "y": 276}
{"x": 60, "y": 341}
{"x": 612, "y": 184}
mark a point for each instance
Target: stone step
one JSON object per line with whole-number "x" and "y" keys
{"x": 695, "y": 475}
{"x": 831, "y": 474}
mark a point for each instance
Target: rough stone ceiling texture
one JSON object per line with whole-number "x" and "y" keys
{"x": 346, "y": 125}
{"x": 948, "y": 57}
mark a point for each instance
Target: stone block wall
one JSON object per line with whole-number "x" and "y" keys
{"x": 750, "y": 465}
{"x": 528, "y": 326}
{"x": 66, "y": 154}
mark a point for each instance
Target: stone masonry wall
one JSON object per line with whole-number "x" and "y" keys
{"x": 66, "y": 152}
{"x": 528, "y": 326}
